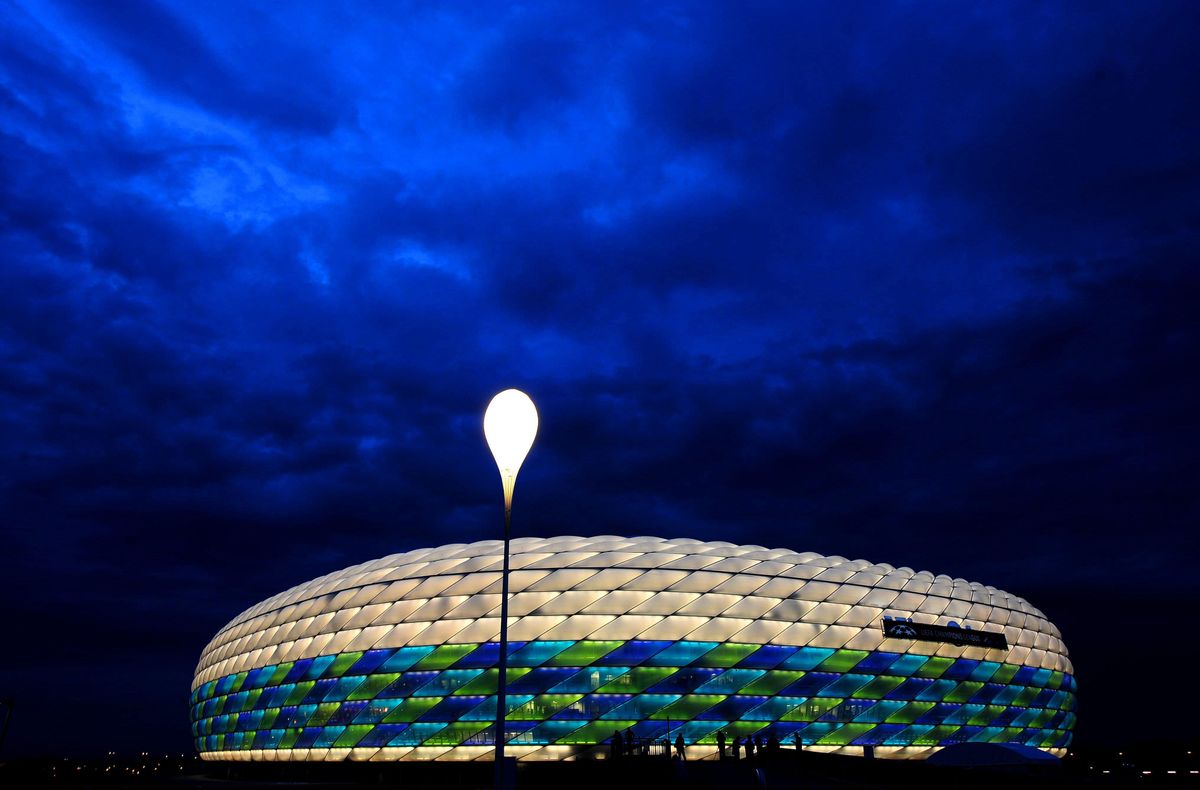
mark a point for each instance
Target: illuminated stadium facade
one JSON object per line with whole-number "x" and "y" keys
{"x": 395, "y": 659}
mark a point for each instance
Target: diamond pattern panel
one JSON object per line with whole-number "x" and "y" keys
{"x": 394, "y": 659}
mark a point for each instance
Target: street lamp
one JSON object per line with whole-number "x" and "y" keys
{"x": 510, "y": 423}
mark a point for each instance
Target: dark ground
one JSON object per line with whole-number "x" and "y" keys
{"x": 1173, "y": 766}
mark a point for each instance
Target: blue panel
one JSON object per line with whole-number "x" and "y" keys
{"x": 485, "y": 656}
{"x": 938, "y": 713}
{"x": 414, "y": 734}
{"x": 640, "y": 706}
{"x": 447, "y": 682}
{"x": 1040, "y": 678}
{"x": 540, "y": 680}
{"x": 633, "y": 653}
{"x": 964, "y": 714}
{"x": 404, "y": 658}
{"x": 551, "y": 731}
{"x": 767, "y": 657}
{"x": 588, "y": 679}
{"x": 729, "y": 681}
{"x": 876, "y": 663}
{"x": 1023, "y": 676}
{"x": 371, "y": 661}
{"x": 881, "y": 710}
{"x": 347, "y": 712}
{"x": 342, "y": 688}
{"x": 319, "y": 690}
{"x": 1042, "y": 700}
{"x": 937, "y": 690}
{"x": 732, "y": 708}
{"x": 278, "y": 695}
{"x": 298, "y": 670}
{"x": 683, "y": 681}
{"x": 1006, "y": 717}
{"x": 774, "y": 708}
{"x": 407, "y": 683}
{"x": 907, "y": 664}
{"x": 293, "y": 716}
{"x": 487, "y": 709}
{"x": 536, "y": 653}
{"x": 376, "y": 710}
{"x": 878, "y": 735}
{"x": 984, "y": 671}
{"x": 807, "y": 658}
{"x": 594, "y": 706}
{"x": 695, "y": 730}
{"x": 259, "y": 677}
{"x": 960, "y": 669}
{"x": 906, "y": 736}
{"x": 319, "y": 665}
{"x": 987, "y": 693}
{"x": 328, "y": 736}
{"x": 308, "y": 736}
{"x": 382, "y": 734}
{"x": 455, "y": 708}
{"x": 680, "y": 654}
{"x": 845, "y": 685}
{"x": 1006, "y": 695}
{"x": 810, "y": 685}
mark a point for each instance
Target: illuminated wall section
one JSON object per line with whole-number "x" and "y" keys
{"x": 395, "y": 659}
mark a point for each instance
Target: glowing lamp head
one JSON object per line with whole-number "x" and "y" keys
{"x": 510, "y": 424}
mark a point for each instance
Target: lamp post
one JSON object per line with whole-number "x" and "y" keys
{"x": 509, "y": 424}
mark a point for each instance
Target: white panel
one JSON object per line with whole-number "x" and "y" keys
{"x": 367, "y": 615}
{"x": 655, "y": 580}
{"x": 881, "y": 598}
{"x": 368, "y": 637}
{"x": 618, "y": 602}
{"x": 866, "y": 639}
{"x": 718, "y": 629}
{"x": 826, "y": 613}
{"x": 791, "y": 610}
{"x": 608, "y": 579}
{"x": 565, "y": 579}
{"x": 815, "y": 591}
{"x": 472, "y": 584}
{"x": 400, "y": 634}
{"x": 847, "y": 593}
{"x": 532, "y": 627}
{"x": 673, "y": 627}
{"x": 664, "y": 603}
{"x": 526, "y": 602}
{"x": 485, "y": 629}
{"x": 798, "y": 634}
{"x": 834, "y": 636}
{"x": 570, "y": 602}
{"x": 578, "y": 626}
{"x": 751, "y": 606}
{"x": 625, "y": 627}
{"x": 710, "y": 604}
{"x": 743, "y": 584}
{"x": 436, "y": 608}
{"x": 759, "y": 631}
{"x": 398, "y": 611}
{"x": 860, "y": 616}
{"x": 700, "y": 582}
{"x": 779, "y": 588}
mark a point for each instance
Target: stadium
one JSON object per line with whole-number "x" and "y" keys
{"x": 395, "y": 659}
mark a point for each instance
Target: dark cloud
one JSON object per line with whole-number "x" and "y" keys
{"x": 914, "y": 285}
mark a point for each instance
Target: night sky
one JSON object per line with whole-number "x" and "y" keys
{"x": 915, "y": 283}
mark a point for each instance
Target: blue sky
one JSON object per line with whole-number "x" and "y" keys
{"x": 910, "y": 282}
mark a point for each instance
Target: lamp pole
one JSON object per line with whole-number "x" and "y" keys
{"x": 510, "y": 425}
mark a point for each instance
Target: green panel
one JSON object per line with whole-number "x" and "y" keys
{"x": 456, "y": 733}
{"x": 772, "y": 682}
{"x": 340, "y": 664}
{"x": 280, "y": 673}
{"x": 1007, "y": 735}
{"x": 289, "y": 739}
{"x": 252, "y": 698}
{"x": 1005, "y": 673}
{"x": 637, "y": 679}
{"x": 448, "y": 682}
{"x": 937, "y": 735}
{"x": 344, "y": 687}
{"x": 373, "y": 685}
{"x": 812, "y": 710}
{"x": 584, "y": 654}
{"x": 597, "y": 731}
{"x": 268, "y": 718}
{"x": 1056, "y": 679}
{"x": 324, "y": 711}
{"x": 238, "y": 680}
{"x": 934, "y": 667}
{"x": 879, "y": 687}
{"x": 740, "y": 729}
{"x": 725, "y": 655}
{"x": 1027, "y": 696}
{"x": 842, "y": 661}
{"x": 881, "y": 711}
{"x": 986, "y": 716}
{"x": 846, "y": 733}
{"x": 909, "y": 713}
{"x": 299, "y": 692}
{"x": 410, "y": 709}
{"x": 688, "y": 707}
{"x": 964, "y": 691}
{"x": 352, "y": 735}
{"x": 486, "y": 682}
{"x": 1042, "y": 719}
{"x": 543, "y": 706}
{"x": 443, "y": 657}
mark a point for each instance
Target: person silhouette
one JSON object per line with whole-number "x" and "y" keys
{"x": 721, "y": 744}
{"x": 737, "y": 747}
{"x": 680, "y": 749}
{"x": 615, "y": 745}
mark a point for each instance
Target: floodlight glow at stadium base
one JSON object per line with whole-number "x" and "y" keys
{"x": 395, "y": 659}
